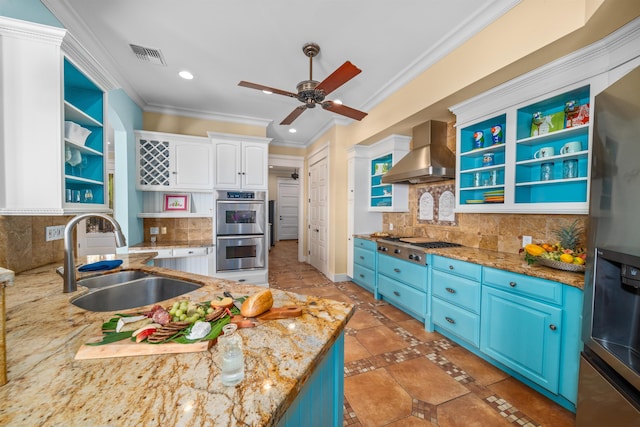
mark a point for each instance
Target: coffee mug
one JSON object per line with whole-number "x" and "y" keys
{"x": 544, "y": 152}
{"x": 571, "y": 147}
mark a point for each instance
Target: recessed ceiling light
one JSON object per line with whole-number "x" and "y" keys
{"x": 186, "y": 75}
{"x": 337, "y": 101}
{"x": 292, "y": 130}
{"x": 268, "y": 92}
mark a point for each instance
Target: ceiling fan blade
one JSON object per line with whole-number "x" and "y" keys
{"x": 293, "y": 115}
{"x": 344, "y": 110}
{"x": 267, "y": 88}
{"x": 343, "y": 74}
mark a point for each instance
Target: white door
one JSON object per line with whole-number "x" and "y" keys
{"x": 318, "y": 215}
{"x": 287, "y": 209}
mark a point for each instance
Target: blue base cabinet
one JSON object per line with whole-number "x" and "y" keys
{"x": 365, "y": 264}
{"x": 320, "y": 402}
{"x": 527, "y": 326}
{"x": 404, "y": 285}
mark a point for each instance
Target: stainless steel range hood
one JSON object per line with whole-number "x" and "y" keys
{"x": 430, "y": 160}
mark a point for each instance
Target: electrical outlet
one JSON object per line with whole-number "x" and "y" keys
{"x": 163, "y": 230}
{"x": 154, "y": 230}
{"x": 390, "y": 227}
{"x": 55, "y": 232}
{"x": 526, "y": 240}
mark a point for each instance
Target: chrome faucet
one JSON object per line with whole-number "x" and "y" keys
{"x": 69, "y": 267}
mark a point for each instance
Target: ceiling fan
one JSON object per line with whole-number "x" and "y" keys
{"x": 310, "y": 92}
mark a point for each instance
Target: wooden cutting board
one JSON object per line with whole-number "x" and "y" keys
{"x": 126, "y": 348}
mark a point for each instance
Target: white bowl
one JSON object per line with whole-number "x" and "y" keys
{"x": 75, "y": 133}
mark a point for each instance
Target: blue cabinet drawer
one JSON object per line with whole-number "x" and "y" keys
{"x": 365, "y": 244}
{"x": 454, "y": 319}
{"x": 456, "y": 290}
{"x": 364, "y": 257}
{"x": 411, "y": 274}
{"x": 460, "y": 268}
{"x": 528, "y": 286}
{"x": 402, "y": 296}
{"x": 364, "y": 277}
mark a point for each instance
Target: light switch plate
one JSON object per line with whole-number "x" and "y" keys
{"x": 54, "y": 232}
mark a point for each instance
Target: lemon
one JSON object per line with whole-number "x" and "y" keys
{"x": 568, "y": 258}
{"x": 578, "y": 260}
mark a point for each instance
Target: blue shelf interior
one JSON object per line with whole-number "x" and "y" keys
{"x": 549, "y": 106}
{"x": 466, "y": 134}
{"x": 82, "y": 92}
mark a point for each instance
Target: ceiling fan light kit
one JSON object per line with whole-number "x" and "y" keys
{"x": 310, "y": 92}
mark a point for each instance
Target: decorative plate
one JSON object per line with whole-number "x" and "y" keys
{"x": 559, "y": 265}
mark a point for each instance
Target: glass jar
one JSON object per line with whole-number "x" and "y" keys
{"x": 232, "y": 357}
{"x": 546, "y": 172}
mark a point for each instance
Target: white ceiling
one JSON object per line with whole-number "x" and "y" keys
{"x": 223, "y": 42}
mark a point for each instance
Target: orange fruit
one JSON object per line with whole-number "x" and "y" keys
{"x": 568, "y": 258}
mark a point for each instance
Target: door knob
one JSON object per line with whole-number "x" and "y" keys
{"x": 280, "y": 217}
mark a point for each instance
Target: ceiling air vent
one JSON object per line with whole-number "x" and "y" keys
{"x": 146, "y": 54}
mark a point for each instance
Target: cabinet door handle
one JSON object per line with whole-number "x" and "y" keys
{"x": 396, "y": 293}
{"x": 512, "y": 284}
{"x": 450, "y": 267}
{"x": 174, "y": 173}
{"x": 190, "y": 252}
{"x": 450, "y": 320}
{"x": 553, "y": 327}
{"x": 397, "y": 270}
{"x": 450, "y": 290}
{"x": 361, "y": 276}
{"x": 361, "y": 257}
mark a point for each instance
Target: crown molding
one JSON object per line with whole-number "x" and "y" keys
{"x": 600, "y": 57}
{"x": 466, "y": 29}
{"x": 25, "y": 29}
{"x": 222, "y": 117}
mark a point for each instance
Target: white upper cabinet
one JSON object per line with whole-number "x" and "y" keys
{"x": 43, "y": 169}
{"x": 383, "y": 155}
{"x": 536, "y": 132}
{"x": 240, "y": 162}
{"x": 172, "y": 162}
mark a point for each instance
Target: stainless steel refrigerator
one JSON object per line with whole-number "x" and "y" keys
{"x": 609, "y": 386}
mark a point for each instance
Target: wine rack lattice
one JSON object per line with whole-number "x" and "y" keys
{"x": 154, "y": 163}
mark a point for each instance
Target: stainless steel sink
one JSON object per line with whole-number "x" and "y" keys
{"x": 134, "y": 293}
{"x": 111, "y": 279}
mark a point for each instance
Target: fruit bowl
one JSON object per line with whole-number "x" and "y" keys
{"x": 559, "y": 265}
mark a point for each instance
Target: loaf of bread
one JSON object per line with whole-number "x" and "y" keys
{"x": 257, "y": 304}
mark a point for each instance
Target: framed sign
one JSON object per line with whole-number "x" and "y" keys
{"x": 176, "y": 202}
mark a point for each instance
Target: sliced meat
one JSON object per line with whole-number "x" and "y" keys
{"x": 161, "y": 316}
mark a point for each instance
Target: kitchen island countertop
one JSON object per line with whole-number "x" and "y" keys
{"x": 47, "y": 386}
{"x": 503, "y": 261}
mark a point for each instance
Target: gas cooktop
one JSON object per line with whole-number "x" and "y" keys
{"x": 398, "y": 247}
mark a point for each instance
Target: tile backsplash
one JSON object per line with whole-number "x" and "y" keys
{"x": 499, "y": 232}
{"x": 179, "y": 229}
{"x": 23, "y": 245}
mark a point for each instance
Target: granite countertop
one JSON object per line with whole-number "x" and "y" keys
{"x": 504, "y": 261}
{"x": 149, "y": 246}
{"x": 48, "y": 386}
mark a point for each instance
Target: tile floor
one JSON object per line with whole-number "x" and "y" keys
{"x": 397, "y": 374}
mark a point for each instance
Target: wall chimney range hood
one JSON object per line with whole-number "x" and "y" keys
{"x": 430, "y": 159}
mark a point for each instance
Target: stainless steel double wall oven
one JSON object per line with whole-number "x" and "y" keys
{"x": 240, "y": 230}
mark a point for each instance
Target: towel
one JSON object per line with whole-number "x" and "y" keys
{"x": 101, "y": 265}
